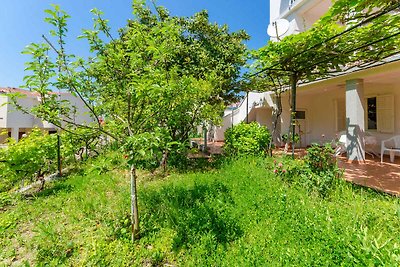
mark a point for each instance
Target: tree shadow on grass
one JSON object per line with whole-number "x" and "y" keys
{"x": 191, "y": 212}
{"x": 201, "y": 163}
{"x": 51, "y": 189}
{"x": 373, "y": 192}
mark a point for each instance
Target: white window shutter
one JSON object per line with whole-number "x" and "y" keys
{"x": 385, "y": 113}
{"x": 340, "y": 115}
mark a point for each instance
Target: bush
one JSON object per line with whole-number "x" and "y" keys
{"x": 318, "y": 172}
{"x": 324, "y": 167}
{"x": 247, "y": 139}
{"x": 320, "y": 159}
{"x": 31, "y": 157}
{"x": 288, "y": 139}
{"x": 290, "y": 170}
{"x": 80, "y": 143}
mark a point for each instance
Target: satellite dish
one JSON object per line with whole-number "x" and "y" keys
{"x": 278, "y": 28}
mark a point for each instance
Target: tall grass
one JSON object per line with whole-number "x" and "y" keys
{"x": 239, "y": 215}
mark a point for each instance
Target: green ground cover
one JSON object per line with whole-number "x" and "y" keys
{"x": 241, "y": 214}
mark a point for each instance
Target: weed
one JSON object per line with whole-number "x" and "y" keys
{"x": 236, "y": 215}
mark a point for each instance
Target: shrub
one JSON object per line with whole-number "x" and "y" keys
{"x": 290, "y": 170}
{"x": 80, "y": 143}
{"x": 247, "y": 139}
{"x": 318, "y": 172}
{"x": 288, "y": 139}
{"x": 320, "y": 159}
{"x": 324, "y": 167}
{"x": 31, "y": 157}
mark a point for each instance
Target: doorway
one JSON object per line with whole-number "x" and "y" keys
{"x": 301, "y": 127}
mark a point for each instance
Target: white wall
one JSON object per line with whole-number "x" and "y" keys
{"x": 3, "y": 111}
{"x": 82, "y": 115}
{"x": 301, "y": 14}
{"x": 15, "y": 119}
{"x": 18, "y": 119}
{"x": 320, "y": 111}
{"x": 275, "y": 9}
{"x": 259, "y": 109}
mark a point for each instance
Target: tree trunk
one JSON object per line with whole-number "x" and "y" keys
{"x": 276, "y": 125}
{"x": 40, "y": 178}
{"x": 163, "y": 162}
{"x": 134, "y": 206}
{"x": 293, "y": 113}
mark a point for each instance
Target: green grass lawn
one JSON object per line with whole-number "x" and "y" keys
{"x": 239, "y": 215}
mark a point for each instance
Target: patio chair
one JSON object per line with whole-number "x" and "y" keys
{"x": 370, "y": 144}
{"x": 392, "y": 145}
{"x": 341, "y": 144}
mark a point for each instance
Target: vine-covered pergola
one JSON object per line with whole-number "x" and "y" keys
{"x": 352, "y": 35}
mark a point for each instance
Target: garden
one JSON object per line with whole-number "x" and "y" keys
{"x": 129, "y": 194}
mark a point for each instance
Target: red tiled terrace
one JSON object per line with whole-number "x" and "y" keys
{"x": 374, "y": 174}
{"x": 384, "y": 177}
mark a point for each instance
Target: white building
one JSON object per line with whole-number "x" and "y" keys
{"x": 16, "y": 123}
{"x": 361, "y": 102}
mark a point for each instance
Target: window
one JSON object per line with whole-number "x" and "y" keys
{"x": 380, "y": 113}
{"x": 371, "y": 114}
{"x": 385, "y": 113}
{"x": 340, "y": 115}
{"x": 300, "y": 115}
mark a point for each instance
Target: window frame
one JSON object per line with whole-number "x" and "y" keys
{"x": 378, "y": 115}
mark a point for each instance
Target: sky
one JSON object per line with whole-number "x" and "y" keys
{"x": 22, "y": 23}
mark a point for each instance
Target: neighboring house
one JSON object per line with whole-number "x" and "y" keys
{"x": 360, "y": 102}
{"x": 17, "y": 123}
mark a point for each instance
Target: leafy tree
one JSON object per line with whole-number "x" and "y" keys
{"x": 180, "y": 69}
{"x": 161, "y": 72}
{"x": 81, "y": 142}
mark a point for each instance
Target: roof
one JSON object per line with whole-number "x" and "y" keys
{"x": 12, "y": 90}
{"x": 8, "y": 90}
{"x": 356, "y": 68}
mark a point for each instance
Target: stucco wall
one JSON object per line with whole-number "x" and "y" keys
{"x": 3, "y": 111}
{"x": 389, "y": 89}
{"x": 18, "y": 119}
{"x": 321, "y": 115}
{"x": 83, "y": 115}
{"x": 264, "y": 117}
{"x": 301, "y": 14}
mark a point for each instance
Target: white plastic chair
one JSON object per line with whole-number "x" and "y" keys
{"x": 370, "y": 144}
{"x": 341, "y": 144}
{"x": 392, "y": 145}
